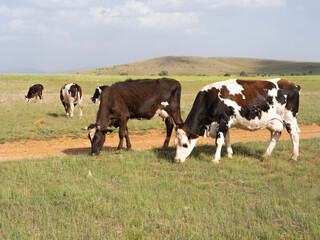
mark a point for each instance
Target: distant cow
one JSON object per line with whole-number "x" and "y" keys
{"x": 139, "y": 99}
{"x": 70, "y": 95}
{"x": 246, "y": 104}
{"x": 97, "y": 93}
{"x": 34, "y": 91}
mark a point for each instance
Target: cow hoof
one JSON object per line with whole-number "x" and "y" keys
{"x": 294, "y": 158}
{"x": 215, "y": 161}
{"x": 229, "y": 155}
{"x": 178, "y": 160}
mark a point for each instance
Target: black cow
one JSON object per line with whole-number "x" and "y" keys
{"x": 139, "y": 99}
{"x": 34, "y": 91}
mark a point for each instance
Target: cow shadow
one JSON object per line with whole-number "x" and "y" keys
{"x": 56, "y": 115}
{"x": 206, "y": 152}
{"x": 86, "y": 150}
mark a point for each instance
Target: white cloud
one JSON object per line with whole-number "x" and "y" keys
{"x": 161, "y": 20}
{"x": 6, "y": 12}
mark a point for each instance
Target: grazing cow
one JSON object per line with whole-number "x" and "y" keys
{"x": 139, "y": 99}
{"x": 246, "y": 104}
{"x": 97, "y": 93}
{"x": 34, "y": 91}
{"x": 70, "y": 95}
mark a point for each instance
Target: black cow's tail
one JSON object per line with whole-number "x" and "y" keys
{"x": 298, "y": 87}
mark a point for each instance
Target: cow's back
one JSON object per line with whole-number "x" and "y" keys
{"x": 141, "y": 98}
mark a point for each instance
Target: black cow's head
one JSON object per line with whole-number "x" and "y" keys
{"x": 97, "y": 137}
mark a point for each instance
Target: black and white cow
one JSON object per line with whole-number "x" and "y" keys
{"x": 34, "y": 91}
{"x": 70, "y": 96}
{"x": 97, "y": 93}
{"x": 246, "y": 104}
{"x": 135, "y": 99}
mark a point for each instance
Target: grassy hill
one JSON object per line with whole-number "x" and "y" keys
{"x": 188, "y": 65}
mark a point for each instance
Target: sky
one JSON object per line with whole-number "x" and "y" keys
{"x": 54, "y": 36}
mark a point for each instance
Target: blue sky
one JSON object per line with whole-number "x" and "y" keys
{"x": 61, "y": 35}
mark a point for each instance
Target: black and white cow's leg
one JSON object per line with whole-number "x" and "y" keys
{"x": 169, "y": 128}
{"x": 228, "y": 144}
{"x": 294, "y": 131}
{"x": 220, "y": 138}
{"x": 127, "y": 139}
{"x": 219, "y": 143}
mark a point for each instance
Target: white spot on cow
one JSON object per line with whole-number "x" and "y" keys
{"x": 92, "y": 132}
{"x": 164, "y": 104}
{"x": 161, "y": 113}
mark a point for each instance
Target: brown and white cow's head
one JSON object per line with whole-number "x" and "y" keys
{"x": 97, "y": 137}
{"x": 184, "y": 145}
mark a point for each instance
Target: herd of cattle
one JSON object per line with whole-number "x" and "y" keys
{"x": 246, "y": 104}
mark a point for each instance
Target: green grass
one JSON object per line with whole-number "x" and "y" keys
{"x": 142, "y": 194}
{"x": 18, "y": 117}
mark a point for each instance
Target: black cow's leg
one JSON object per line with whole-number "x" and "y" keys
{"x": 128, "y": 139}
{"x": 122, "y": 133}
{"x": 174, "y": 111}
{"x": 169, "y": 128}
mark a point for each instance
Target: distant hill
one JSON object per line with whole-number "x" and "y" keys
{"x": 188, "y": 65}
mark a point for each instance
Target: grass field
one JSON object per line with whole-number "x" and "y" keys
{"x": 18, "y": 118}
{"x": 142, "y": 194}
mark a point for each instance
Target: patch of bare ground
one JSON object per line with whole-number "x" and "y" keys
{"x": 148, "y": 140}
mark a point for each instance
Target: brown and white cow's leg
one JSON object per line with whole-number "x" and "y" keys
{"x": 273, "y": 141}
{"x": 80, "y": 108}
{"x": 275, "y": 126}
{"x": 71, "y": 109}
{"x": 67, "y": 109}
{"x": 228, "y": 144}
{"x": 169, "y": 128}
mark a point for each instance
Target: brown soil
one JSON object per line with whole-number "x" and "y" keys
{"x": 151, "y": 139}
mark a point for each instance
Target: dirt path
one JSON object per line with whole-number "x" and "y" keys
{"x": 152, "y": 139}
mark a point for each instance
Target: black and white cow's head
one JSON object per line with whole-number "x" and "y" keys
{"x": 97, "y": 94}
{"x": 184, "y": 144}
{"x": 97, "y": 137}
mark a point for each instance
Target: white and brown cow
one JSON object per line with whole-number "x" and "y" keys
{"x": 34, "y": 91}
{"x": 135, "y": 99}
{"x": 246, "y": 104}
{"x": 70, "y": 96}
{"x": 97, "y": 94}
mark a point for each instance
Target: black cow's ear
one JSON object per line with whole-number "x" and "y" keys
{"x": 193, "y": 136}
{"x": 91, "y": 126}
{"x": 107, "y": 131}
